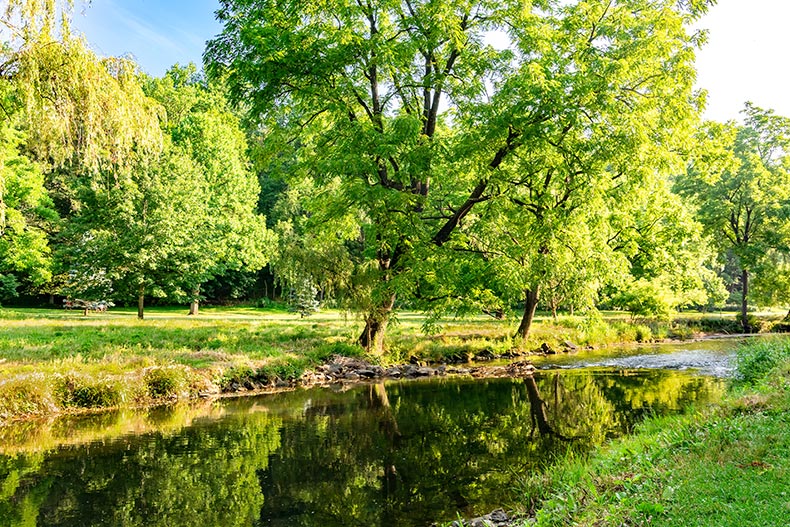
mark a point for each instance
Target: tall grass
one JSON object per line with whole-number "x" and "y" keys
{"x": 755, "y": 361}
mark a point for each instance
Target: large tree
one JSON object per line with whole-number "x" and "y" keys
{"x": 408, "y": 109}
{"x": 227, "y": 233}
{"x": 740, "y": 181}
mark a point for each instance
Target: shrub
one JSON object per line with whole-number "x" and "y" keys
{"x": 26, "y": 395}
{"x": 79, "y": 392}
{"x": 755, "y": 360}
{"x": 164, "y": 383}
{"x": 242, "y": 375}
{"x": 643, "y": 333}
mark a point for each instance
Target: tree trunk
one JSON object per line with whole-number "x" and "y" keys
{"x": 372, "y": 337}
{"x": 194, "y": 306}
{"x": 744, "y": 300}
{"x": 141, "y": 302}
{"x": 530, "y": 304}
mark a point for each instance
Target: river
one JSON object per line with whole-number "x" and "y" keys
{"x": 392, "y": 454}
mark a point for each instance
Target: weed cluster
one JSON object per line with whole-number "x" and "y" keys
{"x": 756, "y": 360}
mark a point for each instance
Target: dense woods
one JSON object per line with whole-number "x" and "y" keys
{"x": 453, "y": 157}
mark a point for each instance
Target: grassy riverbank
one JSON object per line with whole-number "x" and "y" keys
{"x": 722, "y": 466}
{"x": 53, "y": 361}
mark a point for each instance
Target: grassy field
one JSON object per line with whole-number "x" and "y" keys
{"x": 722, "y": 466}
{"x": 53, "y": 360}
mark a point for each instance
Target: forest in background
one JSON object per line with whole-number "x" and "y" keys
{"x": 374, "y": 155}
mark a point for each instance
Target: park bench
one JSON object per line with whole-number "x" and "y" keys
{"x": 100, "y": 306}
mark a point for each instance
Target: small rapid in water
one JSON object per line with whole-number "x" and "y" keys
{"x": 712, "y": 357}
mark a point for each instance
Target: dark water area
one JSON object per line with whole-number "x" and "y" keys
{"x": 395, "y": 454}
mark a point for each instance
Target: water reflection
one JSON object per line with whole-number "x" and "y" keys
{"x": 400, "y": 454}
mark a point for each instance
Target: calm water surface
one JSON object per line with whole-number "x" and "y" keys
{"x": 395, "y": 454}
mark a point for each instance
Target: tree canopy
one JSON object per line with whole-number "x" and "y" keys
{"x": 415, "y": 117}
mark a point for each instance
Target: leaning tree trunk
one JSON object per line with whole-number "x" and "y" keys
{"x": 744, "y": 300}
{"x": 141, "y": 302}
{"x": 372, "y": 337}
{"x": 194, "y": 305}
{"x": 530, "y": 304}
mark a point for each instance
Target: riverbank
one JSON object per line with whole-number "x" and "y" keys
{"x": 726, "y": 465}
{"x": 54, "y": 362}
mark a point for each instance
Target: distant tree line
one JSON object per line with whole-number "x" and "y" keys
{"x": 451, "y": 157}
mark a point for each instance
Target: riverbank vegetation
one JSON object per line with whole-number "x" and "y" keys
{"x": 723, "y": 465}
{"x": 54, "y": 361}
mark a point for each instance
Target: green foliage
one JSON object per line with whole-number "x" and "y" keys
{"x": 304, "y": 297}
{"x": 644, "y": 299}
{"x": 26, "y": 212}
{"x": 406, "y": 121}
{"x": 756, "y": 359}
{"x": 738, "y": 180}
{"x": 25, "y": 395}
{"x": 80, "y": 392}
{"x": 164, "y": 382}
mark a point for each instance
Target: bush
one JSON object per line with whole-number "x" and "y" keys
{"x": 755, "y": 360}
{"x": 79, "y": 392}
{"x": 26, "y": 395}
{"x": 643, "y": 333}
{"x": 241, "y": 375}
{"x": 164, "y": 383}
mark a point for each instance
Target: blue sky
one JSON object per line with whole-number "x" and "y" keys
{"x": 158, "y": 33}
{"x": 745, "y": 59}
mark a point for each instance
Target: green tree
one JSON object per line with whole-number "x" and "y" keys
{"x": 65, "y": 114}
{"x": 739, "y": 180}
{"x": 26, "y": 212}
{"x": 407, "y": 109}
{"x": 229, "y": 234}
{"x": 138, "y": 229}
{"x": 670, "y": 260}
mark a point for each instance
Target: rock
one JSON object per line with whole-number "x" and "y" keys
{"x": 367, "y": 374}
{"x": 393, "y": 373}
{"x": 425, "y": 372}
{"x": 570, "y": 346}
{"x": 409, "y": 371}
{"x": 486, "y": 354}
{"x": 498, "y": 518}
{"x": 351, "y": 376}
{"x": 520, "y": 369}
{"x": 281, "y": 383}
{"x": 547, "y": 350}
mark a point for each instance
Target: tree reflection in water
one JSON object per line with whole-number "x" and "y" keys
{"x": 397, "y": 454}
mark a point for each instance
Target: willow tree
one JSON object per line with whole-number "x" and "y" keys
{"x": 409, "y": 108}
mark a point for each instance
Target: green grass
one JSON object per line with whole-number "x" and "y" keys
{"x": 722, "y": 466}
